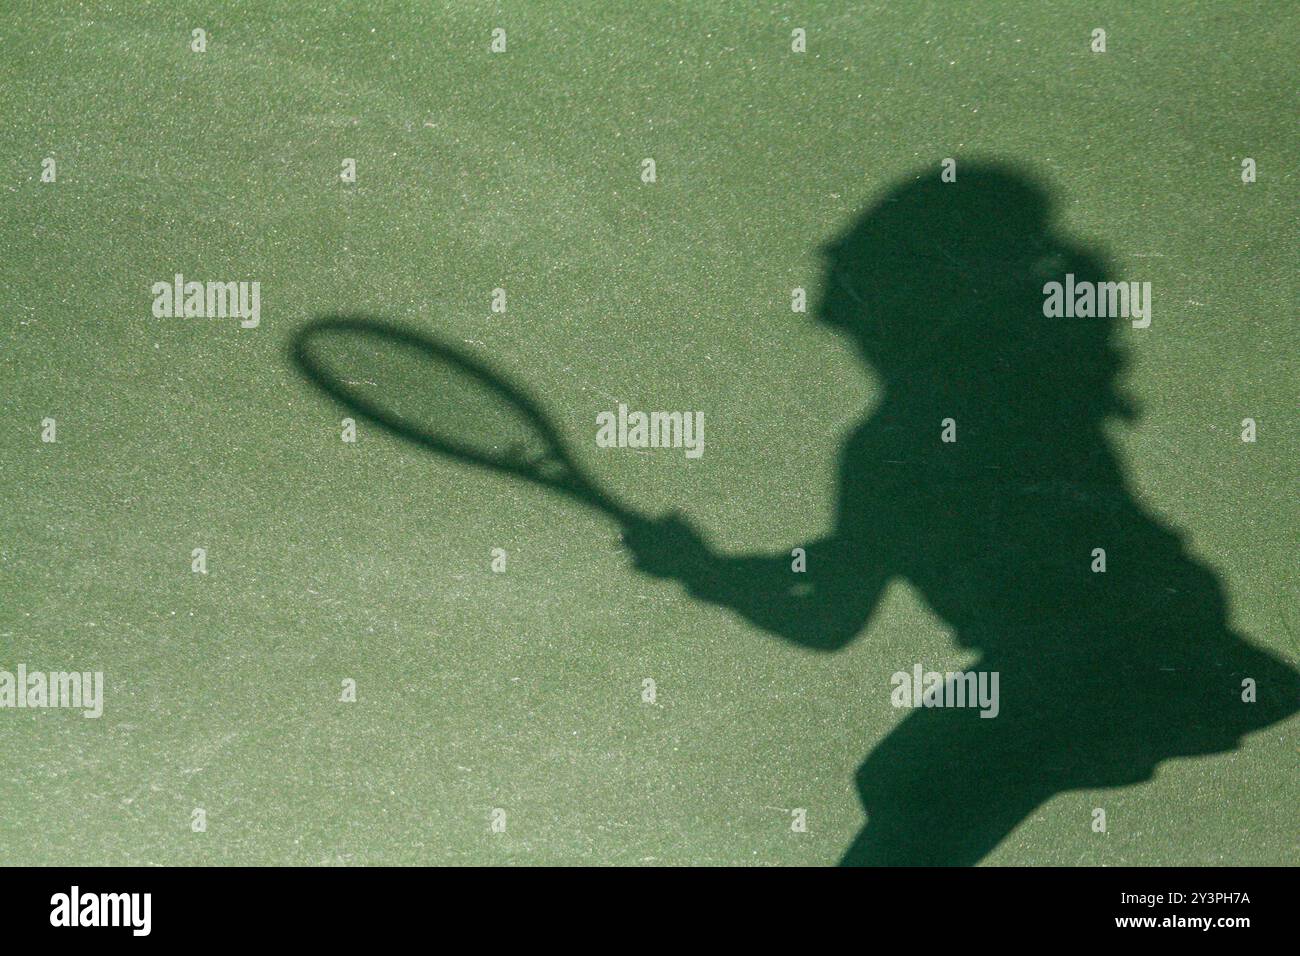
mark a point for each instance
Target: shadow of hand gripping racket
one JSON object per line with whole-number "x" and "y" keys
{"x": 445, "y": 401}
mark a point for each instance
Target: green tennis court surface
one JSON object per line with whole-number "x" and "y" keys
{"x": 504, "y": 716}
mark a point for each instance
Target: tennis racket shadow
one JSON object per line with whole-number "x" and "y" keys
{"x": 445, "y": 400}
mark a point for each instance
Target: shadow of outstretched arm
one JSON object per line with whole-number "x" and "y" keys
{"x": 819, "y": 600}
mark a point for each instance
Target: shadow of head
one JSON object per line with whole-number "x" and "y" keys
{"x": 940, "y": 285}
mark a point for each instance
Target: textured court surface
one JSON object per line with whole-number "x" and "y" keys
{"x": 371, "y": 561}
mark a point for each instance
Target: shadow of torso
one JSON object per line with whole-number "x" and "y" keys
{"x": 1105, "y": 670}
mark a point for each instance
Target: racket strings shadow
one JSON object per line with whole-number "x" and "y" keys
{"x": 443, "y": 399}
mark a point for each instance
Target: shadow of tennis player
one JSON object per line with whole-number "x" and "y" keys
{"x": 1103, "y": 675}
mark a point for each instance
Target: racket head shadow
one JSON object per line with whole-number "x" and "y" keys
{"x": 427, "y": 392}
{"x": 439, "y": 397}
